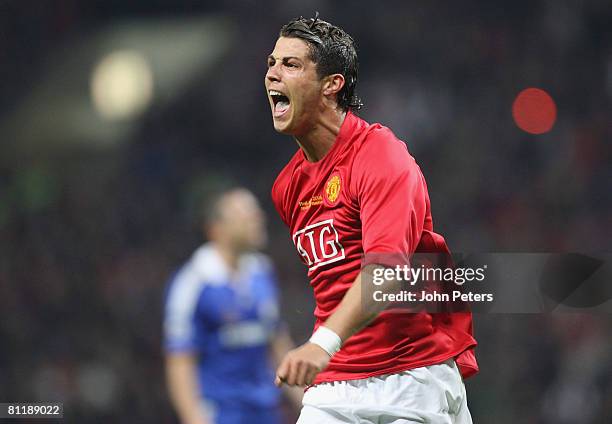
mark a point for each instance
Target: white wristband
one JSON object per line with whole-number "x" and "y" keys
{"x": 329, "y": 341}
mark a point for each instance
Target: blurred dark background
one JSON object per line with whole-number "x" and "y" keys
{"x": 115, "y": 118}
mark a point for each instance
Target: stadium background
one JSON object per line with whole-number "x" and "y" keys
{"x": 97, "y": 190}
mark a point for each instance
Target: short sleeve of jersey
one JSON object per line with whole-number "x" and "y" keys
{"x": 391, "y": 193}
{"x": 180, "y": 311}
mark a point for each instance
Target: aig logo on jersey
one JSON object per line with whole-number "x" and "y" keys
{"x": 318, "y": 244}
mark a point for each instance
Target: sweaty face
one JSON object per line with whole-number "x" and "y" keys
{"x": 293, "y": 86}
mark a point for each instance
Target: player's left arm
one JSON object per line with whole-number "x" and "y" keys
{"x": 393, "y": 201}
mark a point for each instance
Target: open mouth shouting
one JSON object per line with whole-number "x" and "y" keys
{"x": 280, "y": 103}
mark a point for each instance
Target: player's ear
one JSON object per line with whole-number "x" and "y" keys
{"x": 333, "y": 84}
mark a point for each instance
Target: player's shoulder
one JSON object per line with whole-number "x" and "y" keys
{"x": 256, "y": 262}
{"x": 183, "y": 288}
{"x": 285, "y": 174}
{"x": 281, "y": 186}
{"x": 204, "y": 267}
{"x": 382, "y": 140}
{"x": 380, "y": 146}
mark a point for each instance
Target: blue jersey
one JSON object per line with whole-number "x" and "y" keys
{"x": 227, "y": 319}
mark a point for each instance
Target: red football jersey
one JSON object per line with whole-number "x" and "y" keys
{"x": 368, "y": 196}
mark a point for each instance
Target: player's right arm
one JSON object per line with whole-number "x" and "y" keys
{"x": 181, "y": 348}
{"x": 281, "y": 344}
{"x": 183, "y": 387}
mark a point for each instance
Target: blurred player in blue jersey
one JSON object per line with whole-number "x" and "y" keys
{"x": 221, "y": 326}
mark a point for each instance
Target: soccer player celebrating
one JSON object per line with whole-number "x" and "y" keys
{"x": 221, "y": 322}
{"x": 353, "y": 189}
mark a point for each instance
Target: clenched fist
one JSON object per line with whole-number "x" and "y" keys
{"x": 300, "y": 366}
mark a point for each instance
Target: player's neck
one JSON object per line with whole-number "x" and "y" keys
{"x": 230, "y": 256}
{"x": 317, "y": 142}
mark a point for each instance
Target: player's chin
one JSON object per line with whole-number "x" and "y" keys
{"x": 282, "y": 126}
{"x": 259, "y": 242}
{"x": 284, "y": 123}
{"x": 255, "y": 241}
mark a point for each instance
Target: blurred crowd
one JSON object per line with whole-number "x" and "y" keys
{"x": 89, "y": 237}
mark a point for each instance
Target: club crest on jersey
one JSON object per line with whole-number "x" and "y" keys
{"x": 332, "y": 189}
{"x": 318, "y": 244}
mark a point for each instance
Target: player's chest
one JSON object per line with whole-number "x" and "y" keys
{"x": 324, "y": 216}
{"x": 228, "y": 304}
{"x": 238, "y": 318}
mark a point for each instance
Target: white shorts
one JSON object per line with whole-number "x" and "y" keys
{"x": 433, "y": 394}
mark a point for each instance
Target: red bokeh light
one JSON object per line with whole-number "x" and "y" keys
{"x": 534, "y": 111}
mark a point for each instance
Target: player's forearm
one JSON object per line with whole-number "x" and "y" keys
{"x": 183, "y": 388}
{"x": 356, "y": 311}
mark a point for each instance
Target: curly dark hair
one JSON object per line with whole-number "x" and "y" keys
{"x": 333, "y": 51}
